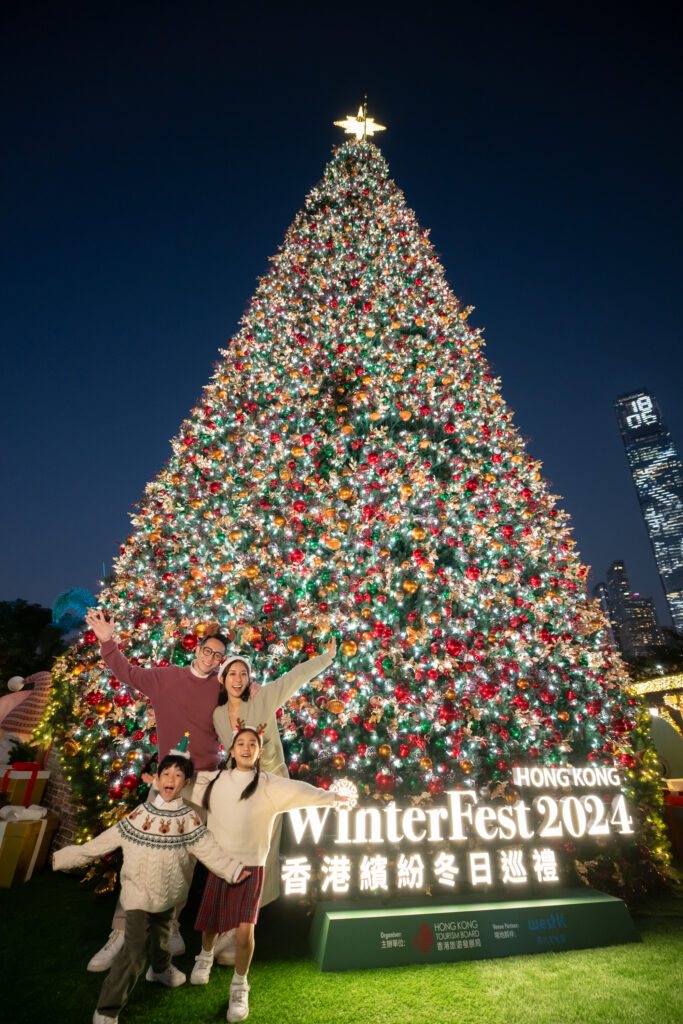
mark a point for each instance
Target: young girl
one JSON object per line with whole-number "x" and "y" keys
{"x": 242, "y": 803}
{"x": 241, "y": 703}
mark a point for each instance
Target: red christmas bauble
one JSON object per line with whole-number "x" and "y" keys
{"x": 435, "y": 786}
{"x": 385, "y": 782}
{"x": 190, "y": 641}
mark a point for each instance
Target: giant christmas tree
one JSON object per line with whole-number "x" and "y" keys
{"x": 352, "y": 468}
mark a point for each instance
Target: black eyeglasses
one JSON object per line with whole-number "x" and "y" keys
{"x": 216, "y": 655}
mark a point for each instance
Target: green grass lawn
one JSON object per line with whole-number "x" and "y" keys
{"x": 52, "y": 925}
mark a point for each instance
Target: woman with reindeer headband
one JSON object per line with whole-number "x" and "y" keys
{"x": 242, "y": 703}
{"x": 242, "y": 803}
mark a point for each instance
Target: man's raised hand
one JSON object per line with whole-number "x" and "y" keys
{"x": 102, "y": 628}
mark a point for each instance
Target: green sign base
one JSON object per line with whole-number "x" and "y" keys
{"x": 345, "y": 937}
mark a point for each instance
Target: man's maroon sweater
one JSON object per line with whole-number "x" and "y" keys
{"x": 182, "y": 701}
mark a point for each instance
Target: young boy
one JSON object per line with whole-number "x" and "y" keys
{"x": 160, "y": 840}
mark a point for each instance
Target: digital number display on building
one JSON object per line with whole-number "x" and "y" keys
{"x": 637, "y": 414}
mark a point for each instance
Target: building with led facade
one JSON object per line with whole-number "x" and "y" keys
{"x": 658, "y": 477}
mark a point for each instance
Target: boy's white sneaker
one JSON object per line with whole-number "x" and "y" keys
{"x": 171, "y": 977}
{"x": 104, "y": 958}
{"x": 225, "y": 949}
{"x": 176, "y": 945}
{"x": 99, "y": 1018}
{"x": 202, "y": 968}
{"x": 239, "y": 1002}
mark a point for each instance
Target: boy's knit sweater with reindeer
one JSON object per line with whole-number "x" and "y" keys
{"x": 160, "y": 842}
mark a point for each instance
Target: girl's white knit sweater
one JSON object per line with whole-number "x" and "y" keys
{"x": 244, "y": 827}
{"x": 160, "y": 842}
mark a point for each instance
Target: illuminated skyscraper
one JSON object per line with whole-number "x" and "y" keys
{"x": 658, "y": 476}
{"x": 631, "y": 619}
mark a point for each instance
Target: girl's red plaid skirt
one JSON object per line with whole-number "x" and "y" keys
{"x": 225, "y": 905}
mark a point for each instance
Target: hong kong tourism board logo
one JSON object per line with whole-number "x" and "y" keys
{"x": 445, "y": 936}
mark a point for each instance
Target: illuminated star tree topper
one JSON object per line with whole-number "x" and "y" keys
{"x": 361, "y": 125}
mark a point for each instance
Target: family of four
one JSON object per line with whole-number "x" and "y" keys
{"x": 227, "y": 816}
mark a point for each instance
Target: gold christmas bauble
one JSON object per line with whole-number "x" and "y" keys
{"x": 235, "y": 535}
{"x": 333, "y": 543}
{"x": 251, "y": 571}
{"x": 563, "y": 716}
{"x": 103, "y": 707}
{"x": 297, "y": 451}
{"x": 405, "y": 415}
{"x": 279, "y": 521}
{"x": 71, "y": 747}
{"x": 339, "y": 761}
{"x": 426, "y": 764}
{"x": 410, "y": 586}
{"x": 405, "y": 491}
{"x": 345, "y": 493}
{"x": 335, "y": 706}
{"x": 384, "y": 750}
{"x": 295, "y": 643}
{"x": 465, "y": 766}
{"x": 450, "y": 694}
{"x": 419, "y": 532}
{"x": 349, "y": 648}
{"x": 131, "y": 756}
{"x": 522, "y": 684}
{"x": 117, "y": 765}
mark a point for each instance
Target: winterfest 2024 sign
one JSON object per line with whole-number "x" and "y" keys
{"x": 462, "y": 843}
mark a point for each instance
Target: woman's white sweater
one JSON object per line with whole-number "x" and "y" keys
{"x": 244, "y": 827}
{"x": 160, "y": 842}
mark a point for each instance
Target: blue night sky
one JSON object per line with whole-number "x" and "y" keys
{"x": 155, "y": 153}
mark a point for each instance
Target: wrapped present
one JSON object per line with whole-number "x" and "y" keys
{"x": 24, "y": 782}
{"x": 25, "y": 837}
{"x": 673, "y": 807}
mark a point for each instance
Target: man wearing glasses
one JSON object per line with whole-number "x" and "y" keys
{"x": 184, "y": 698}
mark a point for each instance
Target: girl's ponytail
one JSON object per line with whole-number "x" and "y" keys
{"x": 207, "y": 794}
{"x": 251, "y": 788}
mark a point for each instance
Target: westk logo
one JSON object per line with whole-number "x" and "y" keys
{"x": 547, "y": 923}
{"x": 424, "y": 940}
